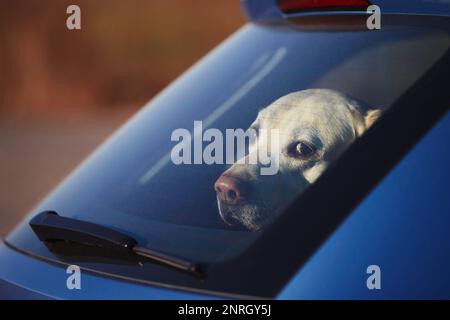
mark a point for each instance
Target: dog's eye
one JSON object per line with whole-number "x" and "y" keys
{"x": 303, "y": 150}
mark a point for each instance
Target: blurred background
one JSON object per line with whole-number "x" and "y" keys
{"x": 63, "y": 92}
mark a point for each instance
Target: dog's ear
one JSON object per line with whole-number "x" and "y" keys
{"x": 371, "y": 117}
{"x": 362, "y": 122}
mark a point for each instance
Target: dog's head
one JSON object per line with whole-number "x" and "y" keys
{"x": 315, "y": 126}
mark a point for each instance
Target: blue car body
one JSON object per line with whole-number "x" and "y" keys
{"x": 401, "y": 226}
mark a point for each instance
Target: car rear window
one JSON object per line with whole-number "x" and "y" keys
{"x": 135, "y": 182}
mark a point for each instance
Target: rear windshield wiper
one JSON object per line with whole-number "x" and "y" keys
{"x": 50, "y": 227}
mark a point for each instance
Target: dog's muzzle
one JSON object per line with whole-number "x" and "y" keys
{"x": 231, "y": 192}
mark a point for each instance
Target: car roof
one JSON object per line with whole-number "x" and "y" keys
{"x": 260, "y": 10}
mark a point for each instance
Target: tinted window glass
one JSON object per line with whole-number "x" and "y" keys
{"x": 132, "y": 183}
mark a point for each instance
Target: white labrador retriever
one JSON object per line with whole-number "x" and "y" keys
{"x": 315, "y": 127}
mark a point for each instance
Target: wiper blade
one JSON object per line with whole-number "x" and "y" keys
{"x": 50, "y": 227}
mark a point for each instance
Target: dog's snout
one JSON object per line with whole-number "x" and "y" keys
{"x": 230, "y": 189}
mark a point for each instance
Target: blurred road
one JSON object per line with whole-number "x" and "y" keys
{"x": 62, "y": 92}
{"x": 34, "y": 157}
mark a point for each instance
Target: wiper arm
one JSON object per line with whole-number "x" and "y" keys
{"x": 49, "y": 226}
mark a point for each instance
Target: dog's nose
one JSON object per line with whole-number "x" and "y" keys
{"x": 230, "y": 189}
